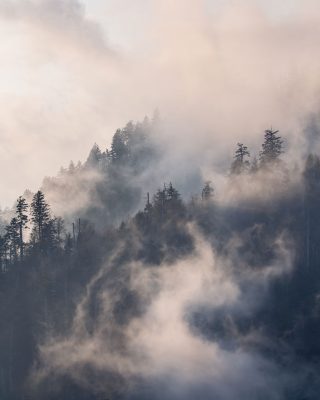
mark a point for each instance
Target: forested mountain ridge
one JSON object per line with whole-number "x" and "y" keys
{"x": 109, "y": 184}
{"x": 186, "y": 298}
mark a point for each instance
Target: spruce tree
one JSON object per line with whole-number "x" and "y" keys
{"x": 272, "y": 147}
{"x": 12, "y": 236}
{"x": 22, "y": 220}
{"x": 40, "y": 215}
{"x": 240, "y": 163}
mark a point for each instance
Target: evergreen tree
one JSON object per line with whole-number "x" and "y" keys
{"x": 271, "y": 148}
{"x": 68, "y": 244}
{"x": 59, "y": 230}
{"x": 240, "y": 163}
{"x": 119, "y": 146}
{"x": 6, "y": 250}
{"x": 159, "y": 200}
{"x": 2, "y": 253}
{"x": 22, "y": 220}
{"x": 49, "y": 235}
{"x": 207, "y": 191}
{"x": 12, "y": 236}
{"x": 174, "y": 203}
{"x": 94, "y": 156}
{"x": 148, "y": 206}
{"x": 40, "y": 216}
{"x": 172, "y": 193}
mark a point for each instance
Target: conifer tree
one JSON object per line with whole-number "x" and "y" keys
{"x": 119, "y": 146}
{"x": 22, "y": 220}
{"x": 12, "y": 236}
{"x": 40, "y": 215}
{"x": 272, "y": 147}
{"x": 148, "y": 206}
{"x": 172, "y": 193}
{"x": 159, "y": 200}
{"x": 207, "y": 191}
{"x": 240, "y": 163}
{"x": 2, "y": 253}
{"x": 94, "y": 156}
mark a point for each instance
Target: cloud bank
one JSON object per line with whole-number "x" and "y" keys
{"x": 160, "y": 345}
{"x": 218, "y": 75}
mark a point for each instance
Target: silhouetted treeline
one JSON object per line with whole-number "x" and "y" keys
{"x": 46, "y": 265}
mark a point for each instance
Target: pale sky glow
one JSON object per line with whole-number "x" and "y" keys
{"x": 124, "y": 21}
{"x": 71, "y": 73}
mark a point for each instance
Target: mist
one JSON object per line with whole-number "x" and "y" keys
{"x": 225, "y": 71}
{"x": 165, "y": 244}
{"x": 162, "y": 345}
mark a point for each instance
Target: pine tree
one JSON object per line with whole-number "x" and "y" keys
{"x": 240, "y": 163}
{"x": 271, "y": 148}
{"x": 40, "y": 215}
{"x": 22, "y": 220}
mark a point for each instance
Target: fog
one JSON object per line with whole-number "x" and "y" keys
{"x": 218, "y": 72}
{"x": 163, "y": 346}
{"x": 199, "y": 294}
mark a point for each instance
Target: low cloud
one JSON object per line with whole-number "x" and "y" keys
{"x": 161, "y": 345}
{"x": 218, "y": 76}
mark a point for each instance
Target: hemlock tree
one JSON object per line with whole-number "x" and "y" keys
{"x": 271, "y": 148}
{"x": 40, "y": 215}
{"x": 240, "y": 163}
{"x": 22, "y": 220}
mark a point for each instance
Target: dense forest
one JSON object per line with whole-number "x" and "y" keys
{"x": 187, "y": 297}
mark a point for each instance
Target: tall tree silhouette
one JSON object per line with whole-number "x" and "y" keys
{"x": 40, "y": 215}
{"x": 119, "y": 146}
{"x": 3, "y": 253}
{"x": 240, "y": 163}
{"x": 272, "y": 147}
{"x": 22, "y": 220}
{"x": 93, "y": 158}
{"x": 12, "y": 236}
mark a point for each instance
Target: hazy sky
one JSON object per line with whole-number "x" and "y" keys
{"x": 72, "y": 72}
